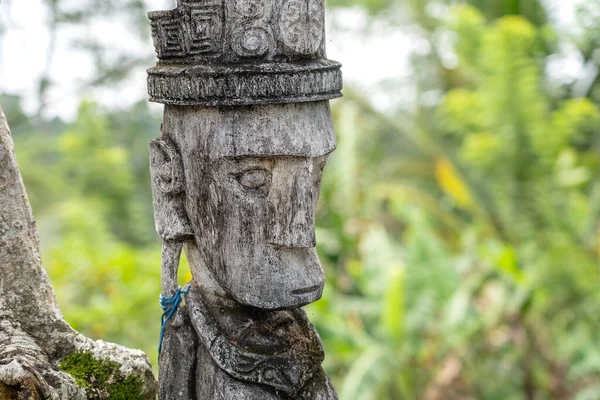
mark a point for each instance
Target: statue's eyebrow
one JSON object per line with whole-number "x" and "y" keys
{"x": 250, "y": 158}
{"x": 325, "y": 154}
{"x": 240, "y": 163}
{"x": 323, "y": 160}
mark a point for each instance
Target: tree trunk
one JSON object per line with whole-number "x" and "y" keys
{"x": 41, "y": 356}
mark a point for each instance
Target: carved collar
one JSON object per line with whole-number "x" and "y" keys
{"x": 280, "y": 349}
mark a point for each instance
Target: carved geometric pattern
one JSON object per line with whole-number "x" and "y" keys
{"x": 254, "y": 41}
{"x": 252, "y": 8}
{"x": 301, "y": 24}
{"x": 194, "y": 28}
{"x": 168, "y": 34}
{"x": 185, "y": 86}
{"x": 206, "y": 29}
{"x": 232, "y": 49}
{"x": 287, "y": 374}
{"x": 267, "y": 370}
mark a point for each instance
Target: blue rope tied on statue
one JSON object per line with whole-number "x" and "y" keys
{"x": 169, "y": 306}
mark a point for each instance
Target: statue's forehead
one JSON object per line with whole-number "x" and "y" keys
{"x": 302, "y": 129}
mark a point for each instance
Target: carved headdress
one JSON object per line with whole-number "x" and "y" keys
{"x": 241, "y": 52}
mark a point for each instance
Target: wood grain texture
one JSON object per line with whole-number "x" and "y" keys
{"x": 252, "y": 354}
{"x": 252, "y": 177}
{"x": 250, "y": 185}
{"x": 246, "y": 134}
{"x": 177, "y": 363}
{"x": 225, "y": 31}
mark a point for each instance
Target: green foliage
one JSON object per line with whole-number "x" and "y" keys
{"x": 101, "y": 378}
{"x": 89, "y": 187}
{"x": 474, "y": 253}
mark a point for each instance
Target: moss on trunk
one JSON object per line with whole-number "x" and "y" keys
{"x": 101, "y": 378}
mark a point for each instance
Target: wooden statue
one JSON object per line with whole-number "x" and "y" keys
{"x": 236, "y": 176}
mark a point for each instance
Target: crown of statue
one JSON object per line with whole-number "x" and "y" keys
{"x": 228, "y": 52}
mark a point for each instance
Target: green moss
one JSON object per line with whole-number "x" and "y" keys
{"x": 101, "y": 378}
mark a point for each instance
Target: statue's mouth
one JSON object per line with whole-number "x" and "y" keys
{"x": 306, "y": 290}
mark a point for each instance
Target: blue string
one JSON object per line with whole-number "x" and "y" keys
{"x": 169, "y": 306}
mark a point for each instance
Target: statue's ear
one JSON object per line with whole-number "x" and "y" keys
{"x": 166, "y": 172}
{"x": 166, "y": 168}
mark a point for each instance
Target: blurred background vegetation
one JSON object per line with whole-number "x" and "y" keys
{"x": 458, "y": 227}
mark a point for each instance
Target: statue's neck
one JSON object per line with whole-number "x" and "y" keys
{"x": 252, "y": 345}
{"x": 202, "y": 273}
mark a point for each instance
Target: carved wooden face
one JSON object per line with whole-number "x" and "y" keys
{"x": 262, "y": 243}
{"x": 252, "y": 181}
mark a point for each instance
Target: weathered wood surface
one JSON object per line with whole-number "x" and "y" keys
{"x": 251, "y": 354}
{"x": 252, "y": 176}
{"x": 251, "y": 184}
{"x": 177, "y": 362}
{"x": 34, "y": 337}
{"x": 236, "y": 177}
{"x": 241, "y": 52}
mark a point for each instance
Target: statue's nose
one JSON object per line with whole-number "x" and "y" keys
{"x": 291, "y": 207}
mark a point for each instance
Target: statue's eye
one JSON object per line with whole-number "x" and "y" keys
{"x": 318, "y": 172}
{"x": 254, "y": 178}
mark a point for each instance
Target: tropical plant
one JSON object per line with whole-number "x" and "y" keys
{"x": 469, "y": 257}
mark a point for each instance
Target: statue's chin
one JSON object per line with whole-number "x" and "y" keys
{"x": 289, "y": 299}
{"x": 283, "y": 278}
